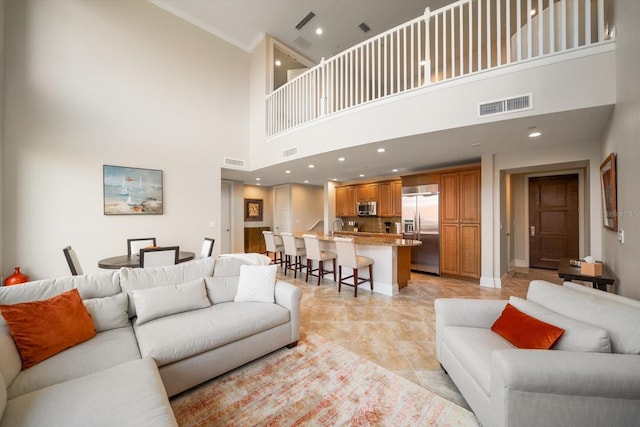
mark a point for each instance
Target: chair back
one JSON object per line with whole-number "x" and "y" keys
{"x": 346, "y": 251}
{"x": 158, "y": 257}
{"x": 134, "y": 245}
{"x": 290, "y": 245}
{"x": 269, "y": 241}
{"x": 72, "y": 260}
{"x": 207, "y": 247}
{"x": 312, "y": 245}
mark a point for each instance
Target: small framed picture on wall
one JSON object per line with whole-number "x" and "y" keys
{"x": 253, "y": 209}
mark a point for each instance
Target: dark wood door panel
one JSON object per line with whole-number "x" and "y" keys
{"x": 553, "y": 220}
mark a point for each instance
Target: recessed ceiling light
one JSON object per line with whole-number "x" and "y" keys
{"x": 287, "y": 171}
{"x": 533, "y": 12}
{"x": 306, "y": 181}
{"x": 361, "y": 175}
{"x": 341, "y": 159}
{"x": 319, "y": 31}
{"x": 394, "y": 170}
{"x": 535, "y": 134}
{"x": 334, "y": 179}
{"x": 312, "y": 166}
{"x": 477, "y": 144}
{"x": 258, "y": 179}
{"x": 258, "y": 184}
{"x": 381, "y": 150}
{"x": 278, "y": 63}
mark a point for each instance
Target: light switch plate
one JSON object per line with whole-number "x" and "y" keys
{"x": 621, "y": 236}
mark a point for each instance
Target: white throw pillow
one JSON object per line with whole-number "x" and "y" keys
{"x": 109, "y": 312}
{"x": 166, "y": 300}
{"x": 577, "y": 336}
{"x": 257, "y": 283}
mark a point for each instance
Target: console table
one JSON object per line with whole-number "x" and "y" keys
{"x": 568, "y": 272}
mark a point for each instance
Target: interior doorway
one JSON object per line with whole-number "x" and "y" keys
{"x": 225, "y": 217}
{"x": 553, "y": 220}
{"x": 282, "y": 208}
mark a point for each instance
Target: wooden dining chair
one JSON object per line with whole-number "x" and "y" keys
{"x": 134, "y": 245}
{"x": 72, "y": 260}
{"x": 158, "y": 257}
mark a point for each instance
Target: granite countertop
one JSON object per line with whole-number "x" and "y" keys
{"x": 371, "y": 239}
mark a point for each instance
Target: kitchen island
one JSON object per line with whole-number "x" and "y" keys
{"x": 391, "y": 257}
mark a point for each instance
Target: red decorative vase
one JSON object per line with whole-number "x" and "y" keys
{"x": 16, "y": 278}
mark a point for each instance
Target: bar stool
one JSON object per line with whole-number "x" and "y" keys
{"x": 293, "y": 248}
{"x": 274, "y": 245}
{"x": 347, "y": 257}
{"x": 314, "y": 253}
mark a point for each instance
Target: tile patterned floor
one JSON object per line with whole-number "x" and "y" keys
{"x": 398, "y": 333}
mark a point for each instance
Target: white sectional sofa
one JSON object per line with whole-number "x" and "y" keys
{"x": 590, "y": 377}
{"x": 124, "y": 375}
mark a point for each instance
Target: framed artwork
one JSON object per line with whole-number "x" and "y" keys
{"x": 253, "y": 209}
{"x": 132, "y": 191}
{"x": 609, "y": 197}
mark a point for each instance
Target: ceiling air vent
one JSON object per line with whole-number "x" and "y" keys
{"x": 364, "y": 27}
{"x": 233, "y": 162}
{"x": 302, "y": 42}
{"x": 289, "y": 152}
{"x": 305, "y": 20}
{"x": 506, "y": 105}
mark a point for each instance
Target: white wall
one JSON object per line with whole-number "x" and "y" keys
{"x": 623, "y": 138}
{"x": 307, "y": 206}
{"x": 112, "y": 82}
{"x": 3, "y": 271}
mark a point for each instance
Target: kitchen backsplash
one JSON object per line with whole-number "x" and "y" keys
{"x": 370, "y": 224}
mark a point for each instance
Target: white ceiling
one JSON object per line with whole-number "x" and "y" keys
{"x": 245, "y": 22}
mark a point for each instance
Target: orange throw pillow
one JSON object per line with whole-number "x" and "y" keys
{"x": 525, "y": 331}
{"x": 42, "y": 329}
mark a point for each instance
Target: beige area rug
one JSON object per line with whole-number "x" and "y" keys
{"x": 316, "y": 383}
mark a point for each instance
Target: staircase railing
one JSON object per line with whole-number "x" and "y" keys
{"x": 461, "y": 39}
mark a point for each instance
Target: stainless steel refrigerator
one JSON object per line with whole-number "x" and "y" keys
{"x": 421, "y": 221}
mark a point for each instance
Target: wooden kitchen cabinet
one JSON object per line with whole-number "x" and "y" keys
{"x": 460, "y": 223}
{"x": 367, "y": 193}
{"x": 389, "y": 198}
{"x": 254, "y": 240}
{"x": 346, "y": 201}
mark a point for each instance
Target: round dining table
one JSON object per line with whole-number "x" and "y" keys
{"x": 133, "y": 261}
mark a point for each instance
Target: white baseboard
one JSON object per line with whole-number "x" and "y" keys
{"x": 490, "y": 282}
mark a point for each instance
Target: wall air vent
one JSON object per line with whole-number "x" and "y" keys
{"x": 506, "y": 105}
{"x": 234, "y": 162}
{"x": 289, "y": 152}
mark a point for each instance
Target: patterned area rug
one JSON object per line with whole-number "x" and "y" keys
{"x": 316, "y": 383}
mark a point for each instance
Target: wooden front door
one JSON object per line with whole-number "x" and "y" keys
{"x": 553, "y": 220}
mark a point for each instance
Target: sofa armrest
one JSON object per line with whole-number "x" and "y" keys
{"x": 289, "y": 296}
{"x": 474, "y": 313}
{"x": 548, "y": 387}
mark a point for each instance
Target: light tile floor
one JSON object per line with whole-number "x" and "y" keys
{"x": 398, "y": 333}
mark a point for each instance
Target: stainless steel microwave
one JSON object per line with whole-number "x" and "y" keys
{"x": 366, "y": 208}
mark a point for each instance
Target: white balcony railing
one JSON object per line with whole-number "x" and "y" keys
{"x": 461, "y": 39}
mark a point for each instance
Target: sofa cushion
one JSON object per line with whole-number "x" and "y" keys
{"x": 257, "y": 283}
{"x": 10, "y": 362}
{"x": 525, "y": 331}
{"x": 132, "y": 279}
{"x": 228, "y": 265}
{"x": 618, "y": 319}
{"x": 41, "y": 329}
{"x": 109, "y": 312}
{"x": 89, "y": 285}
{"x": 176, "y": 337}
{"x": 221, "y": 289}
{"x": 602, "y": 294}
{"x": 107, "y": 349}
{"x": 3, "y": 395}
{"x": 578, "y": 336}
{"x": 473, "y": 348}
{"x": 129, "y": 394}
{"x": 166, "y": 300}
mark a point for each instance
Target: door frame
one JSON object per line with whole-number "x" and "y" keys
{"x": 581, "y": 208}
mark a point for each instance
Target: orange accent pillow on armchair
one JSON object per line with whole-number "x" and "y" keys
{"x": 42, "y": 329}
{"x": 525, "y": 331}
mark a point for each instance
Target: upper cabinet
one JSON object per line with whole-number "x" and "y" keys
{"x": 387, "y": 195}
{"x": 346, "y": 201}
{"x": 367, "y": 192}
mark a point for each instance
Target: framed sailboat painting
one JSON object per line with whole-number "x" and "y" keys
{"x": 132, "y": 191}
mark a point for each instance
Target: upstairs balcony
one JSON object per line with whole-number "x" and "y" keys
{"x": 464, "y": 39}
